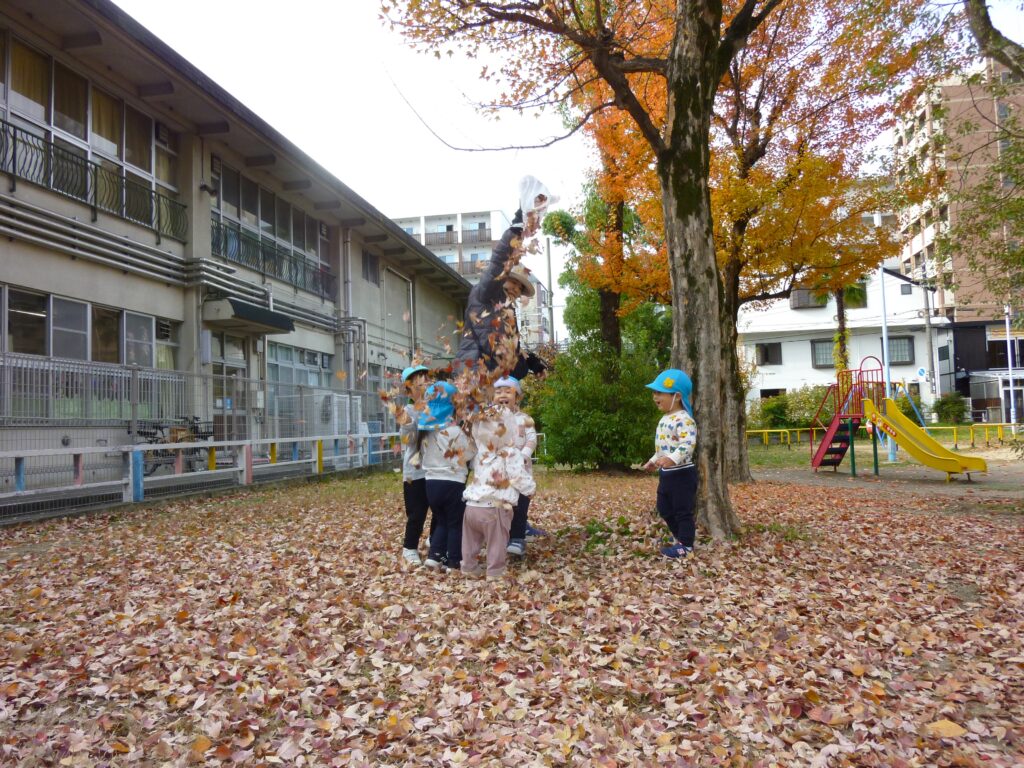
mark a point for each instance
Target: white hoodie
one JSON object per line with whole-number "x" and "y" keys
{"x": 500, "y": 473}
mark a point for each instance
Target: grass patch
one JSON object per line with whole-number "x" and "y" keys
{"x": 785, "y": 531}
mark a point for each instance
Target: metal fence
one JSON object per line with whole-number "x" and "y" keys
{"x": 65, "y": 424}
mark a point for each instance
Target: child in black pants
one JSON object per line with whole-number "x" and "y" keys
{"x": 675, "y": 441}
{"x": 446, "y": 451}
{"x": 415, "y": 379}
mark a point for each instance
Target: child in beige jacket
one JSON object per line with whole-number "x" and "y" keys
{"x": 500, "y": 475}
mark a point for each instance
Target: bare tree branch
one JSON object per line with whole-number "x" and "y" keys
{"x": 993, "y": 42}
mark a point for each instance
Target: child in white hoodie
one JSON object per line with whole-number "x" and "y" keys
{"x": 445, "y": 451}
{"x": 499, "y": 476}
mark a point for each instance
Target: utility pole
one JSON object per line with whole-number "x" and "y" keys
{"x": 928, "y": 332}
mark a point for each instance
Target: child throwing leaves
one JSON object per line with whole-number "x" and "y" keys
{"x": 507, "y": 392}
{"x": 675, "y": 441}
{"x": 446, "y": 451}
{"x": 499, "y": 477}
{"x": 415, "y": 379}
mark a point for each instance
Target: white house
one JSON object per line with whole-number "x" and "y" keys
{"x": 789, "y": 344}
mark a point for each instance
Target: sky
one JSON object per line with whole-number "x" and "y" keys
{"x": 347, "y": 90}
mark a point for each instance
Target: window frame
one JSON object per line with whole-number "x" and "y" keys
{"x": 902, "y": 337}
{"x": 814, "y": 360}
{"x": 763, "y": 350}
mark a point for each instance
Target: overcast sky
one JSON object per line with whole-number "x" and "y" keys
{"x": 347, "y": 90}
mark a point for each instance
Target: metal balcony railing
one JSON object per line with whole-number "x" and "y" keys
{"x": 24, "y": 155}
{"x": 476, "y": 235}
{"x": 440, "y": 238}
{"x": 470, "y": 267}
{"x": 269, "y": 258}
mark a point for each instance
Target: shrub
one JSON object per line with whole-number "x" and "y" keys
{"x": 908, "y": 410}
{"x": 804, "y": 403}
{"x": 596, "y": 409}
{"x": 793, "y": 409}
{"x": 775, "y": 412}
{"x": 951, "y": 408}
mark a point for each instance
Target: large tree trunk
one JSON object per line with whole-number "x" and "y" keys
{"x": 737, "y": 462}
{"x": 842, "y": 354}
{"x": 696, "y": 289}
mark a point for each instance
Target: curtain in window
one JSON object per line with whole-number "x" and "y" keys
{"x": 30, "y": 81}
{"x": 70, "y": 101}
{"x": 106, "y": 123}
{"x": 138, "y": 139}
{"x": 166, "y": 167}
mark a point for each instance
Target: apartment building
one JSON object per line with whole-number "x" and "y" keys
{"x": 789, "y": 343}
{"x": 464, "y": 241}
{"x": 168, "y": 255}
{"x": 955, "y": 128}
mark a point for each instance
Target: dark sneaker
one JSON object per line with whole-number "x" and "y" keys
{"x": 677, "y": 551}
{"x": 531, "y": 531}
{"x": 516, "y": 547}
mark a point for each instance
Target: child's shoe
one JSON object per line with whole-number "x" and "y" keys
{"x": 677, "y": 551}
{"x": 411, "y": 556}
{"x": 432, "y": 564}
{"x": 516, "y": 547}
{"x": 531, "y": 531}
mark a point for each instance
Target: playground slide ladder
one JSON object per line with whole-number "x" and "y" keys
{"x": 836, "y": 442}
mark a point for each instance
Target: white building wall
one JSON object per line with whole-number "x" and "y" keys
{"x": 795, "y": 329}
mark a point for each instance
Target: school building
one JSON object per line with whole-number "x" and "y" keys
{"x": 169, "y": 259}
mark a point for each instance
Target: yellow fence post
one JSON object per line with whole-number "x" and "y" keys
{"x": 211, "y": 461}
{"x": 273, "y": 453}
{"x": 319, "y": 457}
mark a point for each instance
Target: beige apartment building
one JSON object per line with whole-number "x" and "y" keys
{"x": 956, "y": 127}
{"x": 168, "y": 256}
{"x": 464, "y": 241}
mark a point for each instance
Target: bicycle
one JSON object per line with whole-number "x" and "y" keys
{"x": 191, "y": 431}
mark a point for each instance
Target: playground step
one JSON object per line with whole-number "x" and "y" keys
{"x": 831, "y": 462}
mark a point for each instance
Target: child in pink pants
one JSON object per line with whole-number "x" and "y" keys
{"x": 499, "y": 476}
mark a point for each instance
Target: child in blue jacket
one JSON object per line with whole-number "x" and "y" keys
{"x": 446, "y": 451}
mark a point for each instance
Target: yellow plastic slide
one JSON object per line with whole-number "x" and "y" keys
{"x": 919, "y": 444}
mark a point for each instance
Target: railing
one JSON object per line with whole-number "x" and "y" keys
{"x": 26, "y": 156}
{"x": 470, "y": 267}
{"x": 476, "y": 235}
{"x": 268, "y": 258}
{"x": 440, "y": 238}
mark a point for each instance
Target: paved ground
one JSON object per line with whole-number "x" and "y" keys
{"x": 1004, "y": 480}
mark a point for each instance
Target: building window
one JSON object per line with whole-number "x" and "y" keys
{"x": 27, "y": 315}
{"x": 769, "y": 354}
{"x": 70, "y": 332}
{"x": 106, "y": 335}
{"x": 70, "y": 101}
{"x": 167, "y": 343}
{"x": 138, "y": 340}
{"x": 371, "y": 268}
{"x": 804, "y": 298}
{"x": 766, "y": 393}
{"x": 30, "y": 82}
{"x": 821, "y": 353}
{"x": 901, "y": 350}
{"x": 906, "y": 289}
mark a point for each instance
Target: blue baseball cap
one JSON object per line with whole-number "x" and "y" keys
{"x": 674, "y": 381}
{"x": 413, "y": 369}
{"x": 440, "y": 407}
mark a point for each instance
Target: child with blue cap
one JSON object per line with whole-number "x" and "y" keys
{"x": 415, "y": 379}
{"x": 446, "y": 451}
{"x": 507, "y": 392}
{"x": 675, "y": 441}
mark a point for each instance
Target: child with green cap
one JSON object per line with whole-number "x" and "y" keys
{"x": 675, "y": 441}
{"x": 415, "y": 379}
